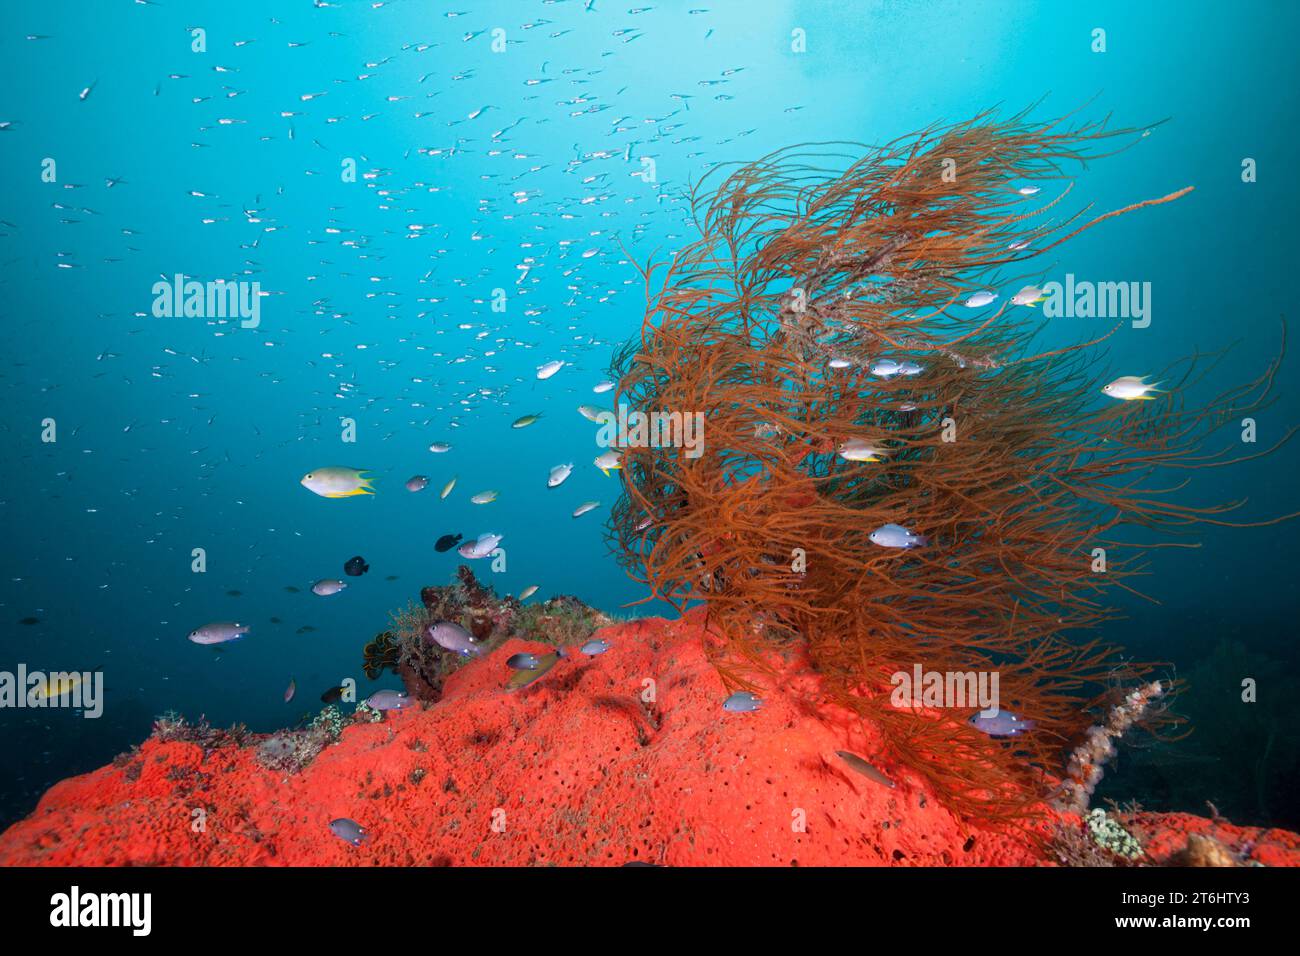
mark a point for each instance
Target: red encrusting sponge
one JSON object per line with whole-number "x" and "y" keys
{"x": 623, "y": 757}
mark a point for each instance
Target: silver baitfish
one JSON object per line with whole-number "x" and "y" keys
{"x": 550, "y": 368}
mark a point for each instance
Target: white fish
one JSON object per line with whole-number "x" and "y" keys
{"x": 980, "y": 299}
{"x": 336, "y": 481}
{"x": 558, "y": 475}
{"x": 440, "y": 447}
{"x": 838, "y": 362}
{"x": 1029, "y": 295}
{"x": 1029, "y": 190}
{"x": 885, "y": 368}
{"x": 483, "y": 546}
{"x": 327, "y": 586}
{"x": 896, "y": 536}
{"x": 593, "y": 413}
{"x": 549, "y": 369}
{"x": 484, "y": 498}
{"x": 859, "y": 449}
{"x": 608, "y": 461}
{"x": 601, "y": 387}
{"x": 583, "y": 508}
{"x": 528, "y": 592}
{"x": 910, "y": 368}
{"x": 1131, "y": 388}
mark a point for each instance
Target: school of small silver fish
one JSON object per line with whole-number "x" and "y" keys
{"x": 425, "y": 273}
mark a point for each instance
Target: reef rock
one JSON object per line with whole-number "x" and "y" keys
{"x": 623, "y": 757}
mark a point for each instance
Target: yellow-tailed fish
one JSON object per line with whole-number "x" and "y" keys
{"x": 859, "y": 449}
{"x": 608, "y": 461}
{"x": 1030, "y": 295}
{"x": 523, "y": 678}
{"x": 336, "y": 481}
{"x": 51, "y": 689}
{"x": 1130, "y": 388}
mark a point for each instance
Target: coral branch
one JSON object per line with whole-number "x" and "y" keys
{"x": 1084, "y": 769}
{"x": 819, "y": 274}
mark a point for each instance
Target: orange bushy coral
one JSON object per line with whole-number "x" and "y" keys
{"x": 1007, "y": 462}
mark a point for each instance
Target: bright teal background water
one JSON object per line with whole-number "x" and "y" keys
{"x": 100, "y": 526}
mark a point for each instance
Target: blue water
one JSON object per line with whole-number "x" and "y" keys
{"x": 182, "y": 433}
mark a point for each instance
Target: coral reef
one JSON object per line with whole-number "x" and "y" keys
{"x": 1181, "y": 839}
{"x": 1109, "y": 834}
{"x": 1130, "y": 836}
{"x": 825, "y": 304}
{"x": 1072, "y": 844}
{"x": 292, "y": 750}
{"x": 424, "y": 666}
{"x": 173, "y": 726}
{"x": 1204, "y": 851}
{"x": 285, "y": 750}
{"x": 623, "y": 757}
